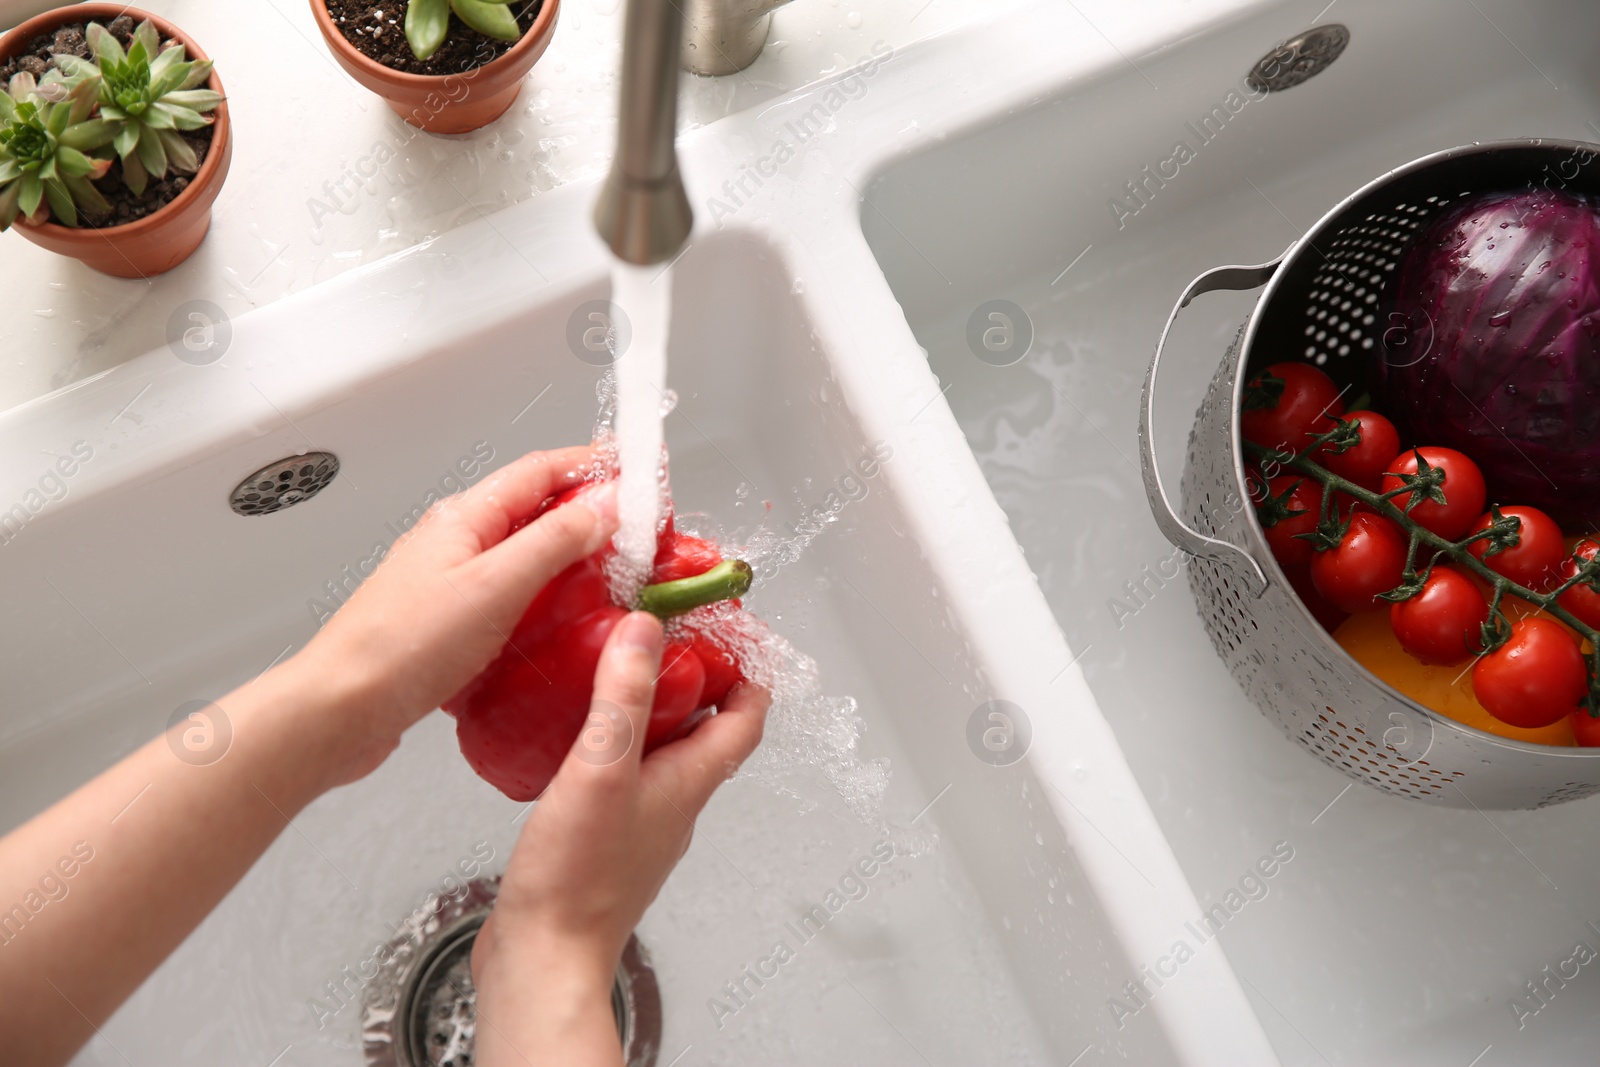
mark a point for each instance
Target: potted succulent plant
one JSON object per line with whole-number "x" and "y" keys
{"x": 114, "y": 138}
{"x": 447, "y": 66}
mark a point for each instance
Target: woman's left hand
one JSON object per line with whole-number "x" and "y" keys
{"x": 446, "y": 598}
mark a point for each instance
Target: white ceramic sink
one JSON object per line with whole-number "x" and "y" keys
{"x": 140, "y": 590}
{"x": 847, "y": 231}
{"x": 992, "y": 947}
{"x": 1399, "y": 933}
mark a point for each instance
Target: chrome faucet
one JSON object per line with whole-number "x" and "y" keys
{"x": 643, "y": 212}
{"x": 726, "y": 36}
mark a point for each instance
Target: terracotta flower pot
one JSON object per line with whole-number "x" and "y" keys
{"x": 164, "y": 238}
{"x": 446, "y": 103}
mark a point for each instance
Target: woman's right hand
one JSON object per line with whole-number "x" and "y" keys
{"x": 594, "y": 853}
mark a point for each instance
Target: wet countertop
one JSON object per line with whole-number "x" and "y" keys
{"x": 325, "y": 178}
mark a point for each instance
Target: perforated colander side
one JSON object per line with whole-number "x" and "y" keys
{"x": 1346, "y": 313}
{"x": 1330, "y": 306}
{"x": 1353, "y": 750}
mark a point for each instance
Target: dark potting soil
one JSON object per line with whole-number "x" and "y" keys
{"x": 69, "y": 39}
{"x": 377, "y": 30}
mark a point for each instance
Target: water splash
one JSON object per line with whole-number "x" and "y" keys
{"x": 808, "y": 732}
{"x": 807, "y": 729}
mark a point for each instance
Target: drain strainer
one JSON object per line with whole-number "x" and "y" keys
{"x": 1299, "y": 58}
{"x": 284, "y": 484}
{"x": 438, "y": 1024}
{"x": 420, "y": 1009}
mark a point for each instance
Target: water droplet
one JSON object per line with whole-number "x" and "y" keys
{"x": 853, "y": 20}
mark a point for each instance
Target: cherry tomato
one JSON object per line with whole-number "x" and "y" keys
{"x": 1533, "y": 679}
{"x": 1255, "y": 483}
{"x": 1329, "y": 617}
{"x": 1534, "y": 562}
{"x": 1463, "y": 490}
{"x": 1448, "y": 690}
{"x": 1365, "y": 462}
{"x": 1586, "y": 728}
{"x": 1286, "y": 403}
{"x": 1286, "y": 510}
{"x": 1440, "y": 624}
{"x": 1369, "y": 560}
{"x": 1582, "y": 601}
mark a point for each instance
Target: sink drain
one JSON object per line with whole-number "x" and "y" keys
{"x": 1299, "y": 59}
{"x": 284, "y": 484}
{"x": 438, "y": 1023}
{"x": 420, "y": 1010}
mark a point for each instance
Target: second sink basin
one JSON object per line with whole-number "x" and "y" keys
{"x": 1397, "y": 933}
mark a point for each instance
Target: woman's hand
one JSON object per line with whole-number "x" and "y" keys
{"x": 442, "y": 604}
{"x": 595, "y": 851}
{"x": 431, "y": 617}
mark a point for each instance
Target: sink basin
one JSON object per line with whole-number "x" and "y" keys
{"x": 141, "y": 590}
{"x": 1398, "y": 933}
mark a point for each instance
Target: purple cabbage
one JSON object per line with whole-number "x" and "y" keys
{"x": 1502, "y": 294}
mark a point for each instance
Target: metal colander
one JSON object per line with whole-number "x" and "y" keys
{"x": 1324, "y": 302}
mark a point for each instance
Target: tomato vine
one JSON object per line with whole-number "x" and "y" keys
{"x": 1427, "y": 484}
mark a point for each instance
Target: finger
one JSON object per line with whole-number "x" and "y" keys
{"x": 624, "y": 689}
{"x": 689, "y": 770}
{"x": 514, "y": 492}
{"x": 505, "y": 579}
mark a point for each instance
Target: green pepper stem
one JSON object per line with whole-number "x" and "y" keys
{"x": 728, "y": 579}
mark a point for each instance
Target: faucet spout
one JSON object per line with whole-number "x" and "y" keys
{"x": 643, "y": 212}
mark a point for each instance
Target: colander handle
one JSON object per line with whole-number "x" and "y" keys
{"x": 1176, "y": 530}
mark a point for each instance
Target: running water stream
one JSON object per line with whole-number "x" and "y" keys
{"x": 641, "y": 401}
{"x": 808, "y": 731}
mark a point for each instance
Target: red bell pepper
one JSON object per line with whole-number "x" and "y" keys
{"x": 517, "y": 720}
